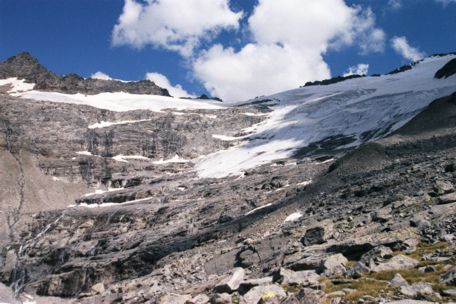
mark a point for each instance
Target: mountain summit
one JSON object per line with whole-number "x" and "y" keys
{"x": 25, "y": 66}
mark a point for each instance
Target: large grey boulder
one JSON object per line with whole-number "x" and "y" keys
{"x": 417, "y": 290}
{"x": 398, "y": 281}
{"x": 334, "y": 265}
{"x": 447, "y": 198}
{"x": 249, "y": 284}
{"x": 318, "y": 234}
{"x": 377, "y": 254}
{"x": 398, "y": 262}
{"x": 232, "y": 283}
{"x": 257, "y": 293}
{"x": 172, "y": 298}
{"x": 443, "y": 187}
{"x": 302, "y": 278}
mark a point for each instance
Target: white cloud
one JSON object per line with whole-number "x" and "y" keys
{"x": 258, "y": 69}
{"x": 360, "y": 69}
{"x": 395, "y": 4}
{"x": 402, "y": 47}
{"x": 177, "y": 25}
{"x": 290, "y": 37}
{"x": 371, "y": 39}
{"x": 100, "y": 75}
{"x": 163, "y": 82}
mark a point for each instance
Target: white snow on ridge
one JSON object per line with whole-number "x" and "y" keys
{"x": 226, "y": 138}
{"x": 350, "y": 108}
{"x": 175, "y": 159}
{"x": 105, "y": 124}
{"x": 86, "y": 153}
{"x": 120, "y": 101}
{"x": 17, "y": 85}
{"x": 293, "y": 217}
{"x": 125, "y": 158}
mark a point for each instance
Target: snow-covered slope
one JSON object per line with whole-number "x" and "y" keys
{"x": 118, "y": 101}
{"x": 342, "y": 115}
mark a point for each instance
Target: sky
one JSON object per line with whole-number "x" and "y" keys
{"x": 233, "y": 49}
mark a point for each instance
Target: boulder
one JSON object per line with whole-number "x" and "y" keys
{"x": 172, "y": 298}
{"x": 334, "y": 265}
{"x": 443, "y": 187}
{"x": 398, "y": 281}
{"x": 302, "y": 278}
{"x": 318, "y": 234}
{"x": 265, "y": 291}
{"x": 307, "y": 296}
{"x": 249, "y": 284}
{"x": 449, "y": 293}
{"x": 232, "y": 283}
{"x": 200, "y": 299}
{"x": 99, "y": 288}
{"x": 383, "y": 215}
{"x": 376, "y": 254}
{"x": 447, "y": 198}
{"x": 6, "y": 272}
{"x": 449, "y": 277}
{"x": 417, "y": 290}
{"x": 398, "y": 262}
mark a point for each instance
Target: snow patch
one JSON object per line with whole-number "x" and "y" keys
{"x": 226, "y": 138}
{"x": 175, "y": 159}
{"x": 101, "y": 191}
{"x": 17, "y": 85}
{"x": 104, "y": 205}
{"x": 259, "y": 208}
{"x": 105, "y": 124}
{"x": 86, "y": 153}
{"x": 305, "y": 183}
{"x": 293, "y": 217}
{"x": 121, "y": 101}
{"x": 125, "y": 158}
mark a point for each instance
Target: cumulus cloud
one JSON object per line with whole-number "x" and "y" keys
{"x": 100, "y": 75}
{"x": 402, "y": 47}
{"x": 257, "y": 69}
{"x": 360, "y": 69}
{"x": 163, "y": 82}
{"x": 177, "y": 25}
{"x": 290, "y": 37}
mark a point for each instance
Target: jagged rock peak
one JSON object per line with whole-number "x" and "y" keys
{"x": 26, "y": 66}
{"x": 21, "y": 58}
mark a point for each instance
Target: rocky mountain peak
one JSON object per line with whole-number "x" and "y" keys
{"x": 22, "y": 58}
{"x": 26, "y": 66}
{"x": 23, "y": 66}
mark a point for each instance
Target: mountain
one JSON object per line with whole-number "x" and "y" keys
{"x": 322, "y": 194}
{"x": 25, "y": 66}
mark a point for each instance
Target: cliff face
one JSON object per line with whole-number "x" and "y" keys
{"x": 101, "y": 206}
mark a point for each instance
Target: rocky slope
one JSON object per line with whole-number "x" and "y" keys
{"x": 114, "y": 206}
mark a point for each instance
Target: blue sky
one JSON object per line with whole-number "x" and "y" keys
{"x": 77, "y": 36}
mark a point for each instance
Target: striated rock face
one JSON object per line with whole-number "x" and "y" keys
{"x": 107, "y": 207}
{"x": 25, "y": 66}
